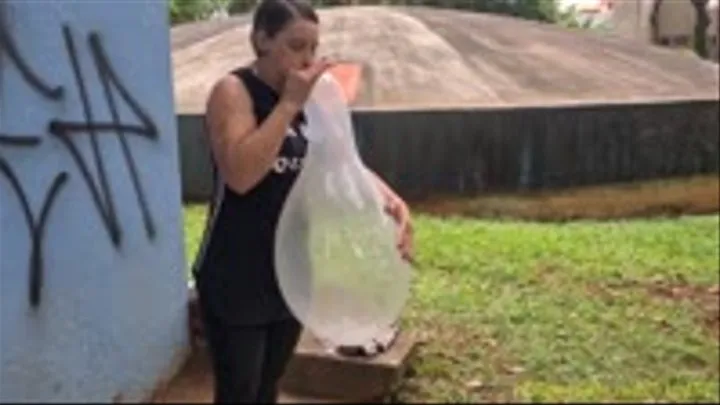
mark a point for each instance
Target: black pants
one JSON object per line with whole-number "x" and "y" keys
{"x": 248, "y": 361}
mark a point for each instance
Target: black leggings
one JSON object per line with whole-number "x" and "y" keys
{"x": 248, "y": 361}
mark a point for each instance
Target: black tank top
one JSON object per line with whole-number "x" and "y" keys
{"x": 234, "y": 270}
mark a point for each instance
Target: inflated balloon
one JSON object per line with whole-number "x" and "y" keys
{"x": 336, "y": 259}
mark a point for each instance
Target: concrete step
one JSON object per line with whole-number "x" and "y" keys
{"x": 314, "y": 371}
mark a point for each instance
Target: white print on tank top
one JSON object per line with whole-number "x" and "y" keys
{"x": 284, "y": 163}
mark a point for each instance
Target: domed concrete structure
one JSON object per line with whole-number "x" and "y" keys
{"x": 424, "y": 58}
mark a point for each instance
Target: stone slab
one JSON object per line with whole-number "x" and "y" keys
{"x": 314, "y": 371}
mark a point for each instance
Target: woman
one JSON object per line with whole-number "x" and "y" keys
{"x": 255, "y": 124}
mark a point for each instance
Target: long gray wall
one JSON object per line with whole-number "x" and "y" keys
{"x": 467, "y": 151}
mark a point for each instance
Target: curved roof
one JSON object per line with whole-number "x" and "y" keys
{"x": 423, "y": 57}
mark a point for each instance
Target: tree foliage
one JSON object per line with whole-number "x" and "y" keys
{"x": 702, "y": 22}
{"x": 193, "y": 10}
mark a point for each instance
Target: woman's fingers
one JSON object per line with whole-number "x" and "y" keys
{"x": 407, "y": 243}
{"x": 405, "y": 240}
{"x": 318, "y": 68}
{"x": 404, "y": 230}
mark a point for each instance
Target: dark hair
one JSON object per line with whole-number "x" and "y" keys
{"x": 271, "y": 16}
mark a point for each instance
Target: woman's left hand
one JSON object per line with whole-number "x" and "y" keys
{"x": 399, "y": 211}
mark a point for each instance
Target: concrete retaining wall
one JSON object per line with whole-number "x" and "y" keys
{"x": 467, "y": 151}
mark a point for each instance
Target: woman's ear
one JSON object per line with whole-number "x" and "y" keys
{"x": 260, "y": 40}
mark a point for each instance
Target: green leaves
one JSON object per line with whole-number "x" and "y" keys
{"x": 193, "y": 10}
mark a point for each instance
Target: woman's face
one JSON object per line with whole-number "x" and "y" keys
{"x": 291, "y": 48}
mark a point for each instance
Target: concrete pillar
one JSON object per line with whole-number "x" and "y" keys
{"x": 93, "y": 296}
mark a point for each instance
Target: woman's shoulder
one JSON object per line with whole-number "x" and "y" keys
{"x": 234, "y": 82}
{"x": 243, "y": 73}
{"x": 259, "y": 92}
{"x": 228, "y": 96}
{"x": 230, "y": 88}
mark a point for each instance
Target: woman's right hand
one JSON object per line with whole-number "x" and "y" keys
{"x": 299, "y": 83}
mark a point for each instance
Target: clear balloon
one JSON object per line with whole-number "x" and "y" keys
{"x": 336, "y": 258}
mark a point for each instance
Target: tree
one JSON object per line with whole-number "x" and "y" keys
{"x": 241, "y": 6}
{"x": 702, "y": 23}
{"x": 193, "y": 10}
{"x": 539, "y": 10}
{"x": 655, "y": 22}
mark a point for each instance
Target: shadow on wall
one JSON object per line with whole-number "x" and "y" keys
{"x": 469, "y": 151}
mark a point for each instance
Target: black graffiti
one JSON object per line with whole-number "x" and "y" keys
{"x": 19, "y": 140}
{"x": 65, "y": 131}
{"x": 8, "y": 47}
{"x": 110, "y": 78}
{"x": 36, "y": 226}
{"x": 102, "y": 195}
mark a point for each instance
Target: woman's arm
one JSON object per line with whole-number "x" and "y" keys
{"x": 243, "y": 151}
{"x": 387, "y": 193}
{"x": 396, "y": 207}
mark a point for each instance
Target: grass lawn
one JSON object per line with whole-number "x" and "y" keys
{"x": 550, "y": 312}
{"x": 528, "y": 311}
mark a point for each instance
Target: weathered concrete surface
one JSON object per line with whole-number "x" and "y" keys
{"x": 422, "y": 57}
{"x": 191, "y": 34}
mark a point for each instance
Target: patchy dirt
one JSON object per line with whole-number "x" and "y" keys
{"x": 460, "y": 361}
{"x": 194, "y": 383}
{"x": 659, "y": 198}
{"x": 705, "y": 298}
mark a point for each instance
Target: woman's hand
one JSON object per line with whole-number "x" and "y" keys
{"x": 399, "y": 211}
{"x": 299, "y": 83}
{"x": 396, "y": 208}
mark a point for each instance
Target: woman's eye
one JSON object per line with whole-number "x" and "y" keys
{"x": 297, "y": 46}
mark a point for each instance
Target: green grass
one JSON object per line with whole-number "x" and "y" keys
{"x": 559, "y": 312}
{"x": 526, "y": 311}
{"x": 195, "y": 216}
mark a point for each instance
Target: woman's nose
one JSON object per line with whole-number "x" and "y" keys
{"x": 306, "y": 62}
{"x": 308, "y": 57}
